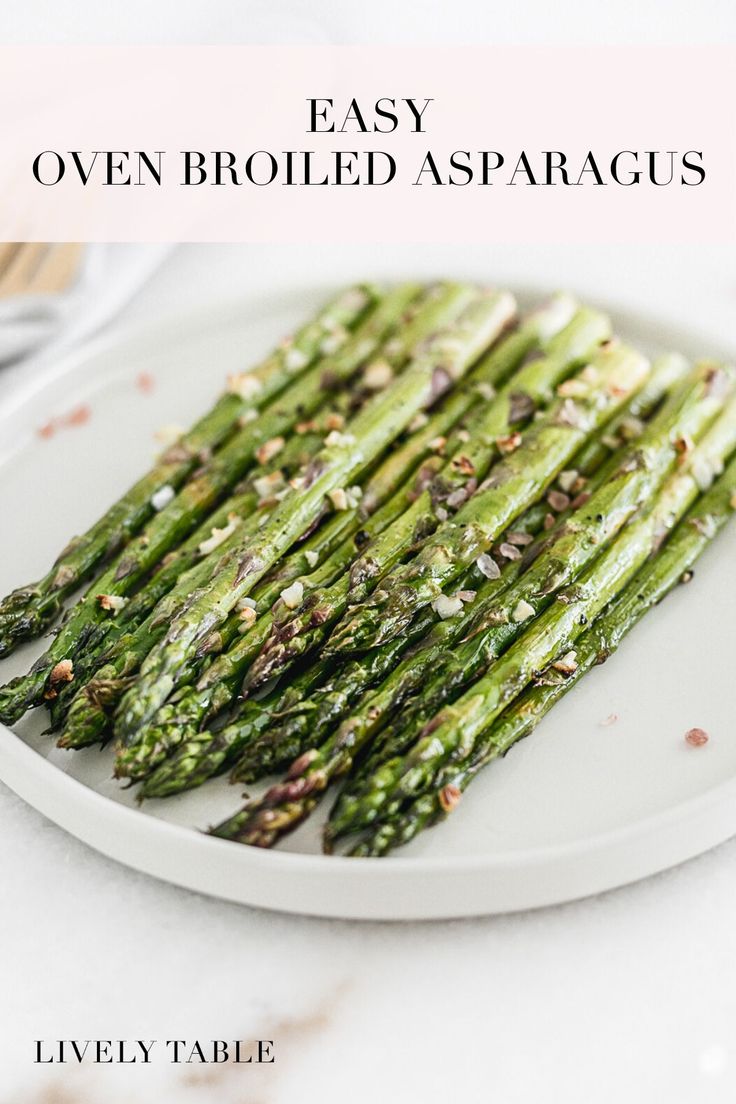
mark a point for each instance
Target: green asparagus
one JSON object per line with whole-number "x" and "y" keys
{"x": 648, "y": 587}
{"x": 489, "y": 630}
{"x": 28, "y": 610}
{"x": 446, "y": 358}
{"x": 441, "y": 304}
{"x": 308, "y": 722}
{"x": 449, "y": 735}
{"x": 177, "y": 518}
{"x": 532, "y": 386}
{"x": 599, "y": 391}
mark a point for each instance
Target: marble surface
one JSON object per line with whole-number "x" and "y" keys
{"x": 626, "y": 996}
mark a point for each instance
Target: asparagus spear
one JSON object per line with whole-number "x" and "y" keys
{"x": 469, "y": 462}
{"x": 28, "y": 610}
{"x": 648, "y": 587}
{"x": 545, "y": 321}
{"x": 179, "y": 718}
{"x": 89, "y": 720}
{"x": 309, "y": 719}
{"x": 442, "y": 303}
{"x": 239, "y": 507}
{"x": 490, "y": 630}
{"x": 446, "y": 358}
{"x": 200, "y": 494}
{"x": 196, "y": 760}
{"x": 512, "y": 486}
{"x": 449, "y": 736}
{"x": 89, "y": 713}
{"x": 186, "y": 715}
{"x": 316, "y": 560}
{"x": 179, "y": 722}
{"x": 204, "y": 754}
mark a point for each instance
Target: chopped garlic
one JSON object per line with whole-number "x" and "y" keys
{"x": 247, "y": 603}
{"x": 247, "y": 417}
{"x": 571, "y": 415}
{"x": 294, "y": 359}
{"x": 354, "y": 495}
{"x": 457, "y": 497}
{"x": 335, "y": 437}
{"x": 419, "y": 421}
{"x": 378, "y": 375}
{"x": 437, "y": 444}
{"x": 163, "y": 496}
{"x": 449, "y": 796}
{"x": 705, "y": 525}
{"x": 334, "y": 421}
{"x": 269, "y": 449}
{"x": 447, "y": 607}
{"x": 267, "y": 485}
{"x": 311, "y": 557}
{"x": 62, "y": 672}
{"x": 631, "y": 427}
{"x": 292, "y": 596}
{"x": 339, "y": 498}
{"x": 297, "y": 482}
{"x": 488, "y": 566}
{"x": 65, "y": 575}
{"x": 245, "y": 385}
{"x": 568, "y": 664}
{"x": 218, "y": 536}
{"x": 463, "y": 464}
{"x": 112, "y": 602}
{"x": 522, "y": 611}
{"x": 558, "y": 501}
{"x": 333, "y": 341}
{"x": 509, "y": 443}
{"x": 567, "y": 479}
{"x": 573, "y": 389}
{"x": 684, "y": 445}
{"x": 466, "y": 595}
{"x": 486, "y": 390}
{"x": 705, "y": 470}
{"x": 247, "y": 618}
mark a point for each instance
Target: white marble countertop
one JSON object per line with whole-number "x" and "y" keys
{"x": 628, "y": 996}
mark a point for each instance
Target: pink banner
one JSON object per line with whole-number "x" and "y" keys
{"x": 368, "y": 143}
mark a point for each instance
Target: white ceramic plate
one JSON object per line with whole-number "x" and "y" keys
{"x": 576, "y": 809}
